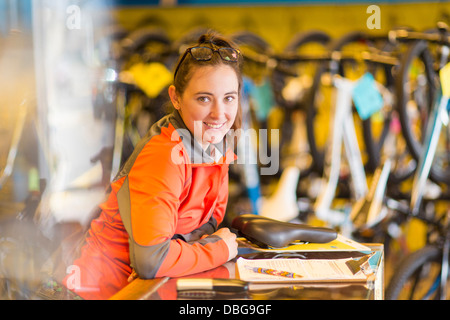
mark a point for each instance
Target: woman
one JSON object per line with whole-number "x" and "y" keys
{"x": 165, "y": 205}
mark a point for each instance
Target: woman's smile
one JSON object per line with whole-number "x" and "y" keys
{"x": 214, "y": 125}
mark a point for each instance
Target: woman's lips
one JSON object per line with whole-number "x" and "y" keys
{"x": 214, "y": 125}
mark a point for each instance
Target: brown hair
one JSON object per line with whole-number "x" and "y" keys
{"x": 213, "y": 40}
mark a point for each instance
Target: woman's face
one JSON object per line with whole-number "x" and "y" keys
{"x": 209, "y": 103}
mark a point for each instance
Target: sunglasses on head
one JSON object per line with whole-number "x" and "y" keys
{"x": 206, "y": 53}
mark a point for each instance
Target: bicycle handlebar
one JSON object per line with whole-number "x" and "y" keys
{"x": 338, "y": 56}
{"x": 437, "y": 37}
{"x": 275, "y": 61}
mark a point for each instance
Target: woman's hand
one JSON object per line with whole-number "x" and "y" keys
{"x": 230, "y": 240}
{"x": 132, "y": 276}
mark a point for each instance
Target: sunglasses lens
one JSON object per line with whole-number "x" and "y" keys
{"x": 229, "y": 54}
{"x": 202, "y": 53}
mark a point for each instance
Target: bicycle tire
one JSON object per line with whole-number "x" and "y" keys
{"x": 418, "y": 51}
{"x": 408, "y": 269}
{"x": 317, "y": 40}
{"x": 137, "y": 42}
{"x": 250, "y": 42}
{"x": 279, "y": 77}
{"x": 373, "y": 146}
{"x": 251, "y": 39}
{"x": 404, "y": 164}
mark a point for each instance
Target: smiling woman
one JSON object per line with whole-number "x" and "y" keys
{"x": 209, "y": 103}
{"x": 162, "y": 216}
{"x": 212, "y": 51}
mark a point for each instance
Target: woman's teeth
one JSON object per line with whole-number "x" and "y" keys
{"x": 213, "y": 126}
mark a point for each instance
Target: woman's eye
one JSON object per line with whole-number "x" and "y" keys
{"x": 229, "y": 99}
{"x": 203, "y": 99}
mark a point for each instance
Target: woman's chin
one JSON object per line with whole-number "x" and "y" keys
{"x": 214, "y": 136}
{"x": 214, "y": 139}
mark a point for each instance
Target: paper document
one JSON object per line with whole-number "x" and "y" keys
{"x": 308, "y": 269}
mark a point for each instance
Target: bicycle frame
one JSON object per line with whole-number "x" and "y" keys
{"x": 343, "y": 133}
{"x": 438, "y": 118}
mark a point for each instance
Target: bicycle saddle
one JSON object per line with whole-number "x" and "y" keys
{"x": 266, "y": 232}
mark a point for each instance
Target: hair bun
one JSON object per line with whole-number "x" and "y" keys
{"x": 213, "y": 38}
{"x": 204, "y": 38}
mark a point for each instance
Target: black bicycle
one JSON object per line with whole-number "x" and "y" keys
{"x": 424, "y": 273}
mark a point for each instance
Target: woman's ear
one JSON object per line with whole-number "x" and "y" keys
{"x": 174, "y": 97}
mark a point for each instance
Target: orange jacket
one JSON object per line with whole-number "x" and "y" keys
{"x": 165, "y": 203}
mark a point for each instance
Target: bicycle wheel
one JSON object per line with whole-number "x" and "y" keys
{"x": 376, "y": 128}
{"x": 290, "y": 89}
{"x": 416, "y": 87}
{"x": 256, "y": 70}
{"x": 415, "y": 94}
{"x": 145, "y": 45}
{"x": 290, "y": 92}
{"x": 382, "y": 131}
{"x": 417, "y": 277}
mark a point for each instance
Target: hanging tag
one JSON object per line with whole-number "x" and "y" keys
{"x": 444, "y": 75}
{"x": 366, "y": 97}
{"x": 151, "y": 77}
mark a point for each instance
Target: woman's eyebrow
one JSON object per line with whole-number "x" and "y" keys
{"x": 211, "y": 94}
{"x": 203, "y": 93}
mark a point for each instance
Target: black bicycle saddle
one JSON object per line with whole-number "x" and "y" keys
{"x": 266, "y": 232}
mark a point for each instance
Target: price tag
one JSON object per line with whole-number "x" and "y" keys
{"x": 366, "y": 97}
{"x": 151, "y": 77}
{"x": 444, "y": 75}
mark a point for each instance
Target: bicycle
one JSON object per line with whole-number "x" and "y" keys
{"x": 290, "y": 80}
{"x": 416, "y": 89}
{"x": 424, "y": 273}
{"x": 435, "y": 255}
{"x": 262, "y": 65}
{"x": 286, "y": 185}
{"x": 330, "y": 78}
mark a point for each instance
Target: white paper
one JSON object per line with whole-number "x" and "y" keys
{"x": 309, "y": 269}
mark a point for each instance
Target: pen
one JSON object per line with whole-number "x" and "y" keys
{"x": 274, "y": 272}
{"x": 219, "y": 285}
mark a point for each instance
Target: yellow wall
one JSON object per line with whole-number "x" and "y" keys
{"x": 278, "y": 24}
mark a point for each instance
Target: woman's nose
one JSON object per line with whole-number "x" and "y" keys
{"x": 217, "y": 110}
